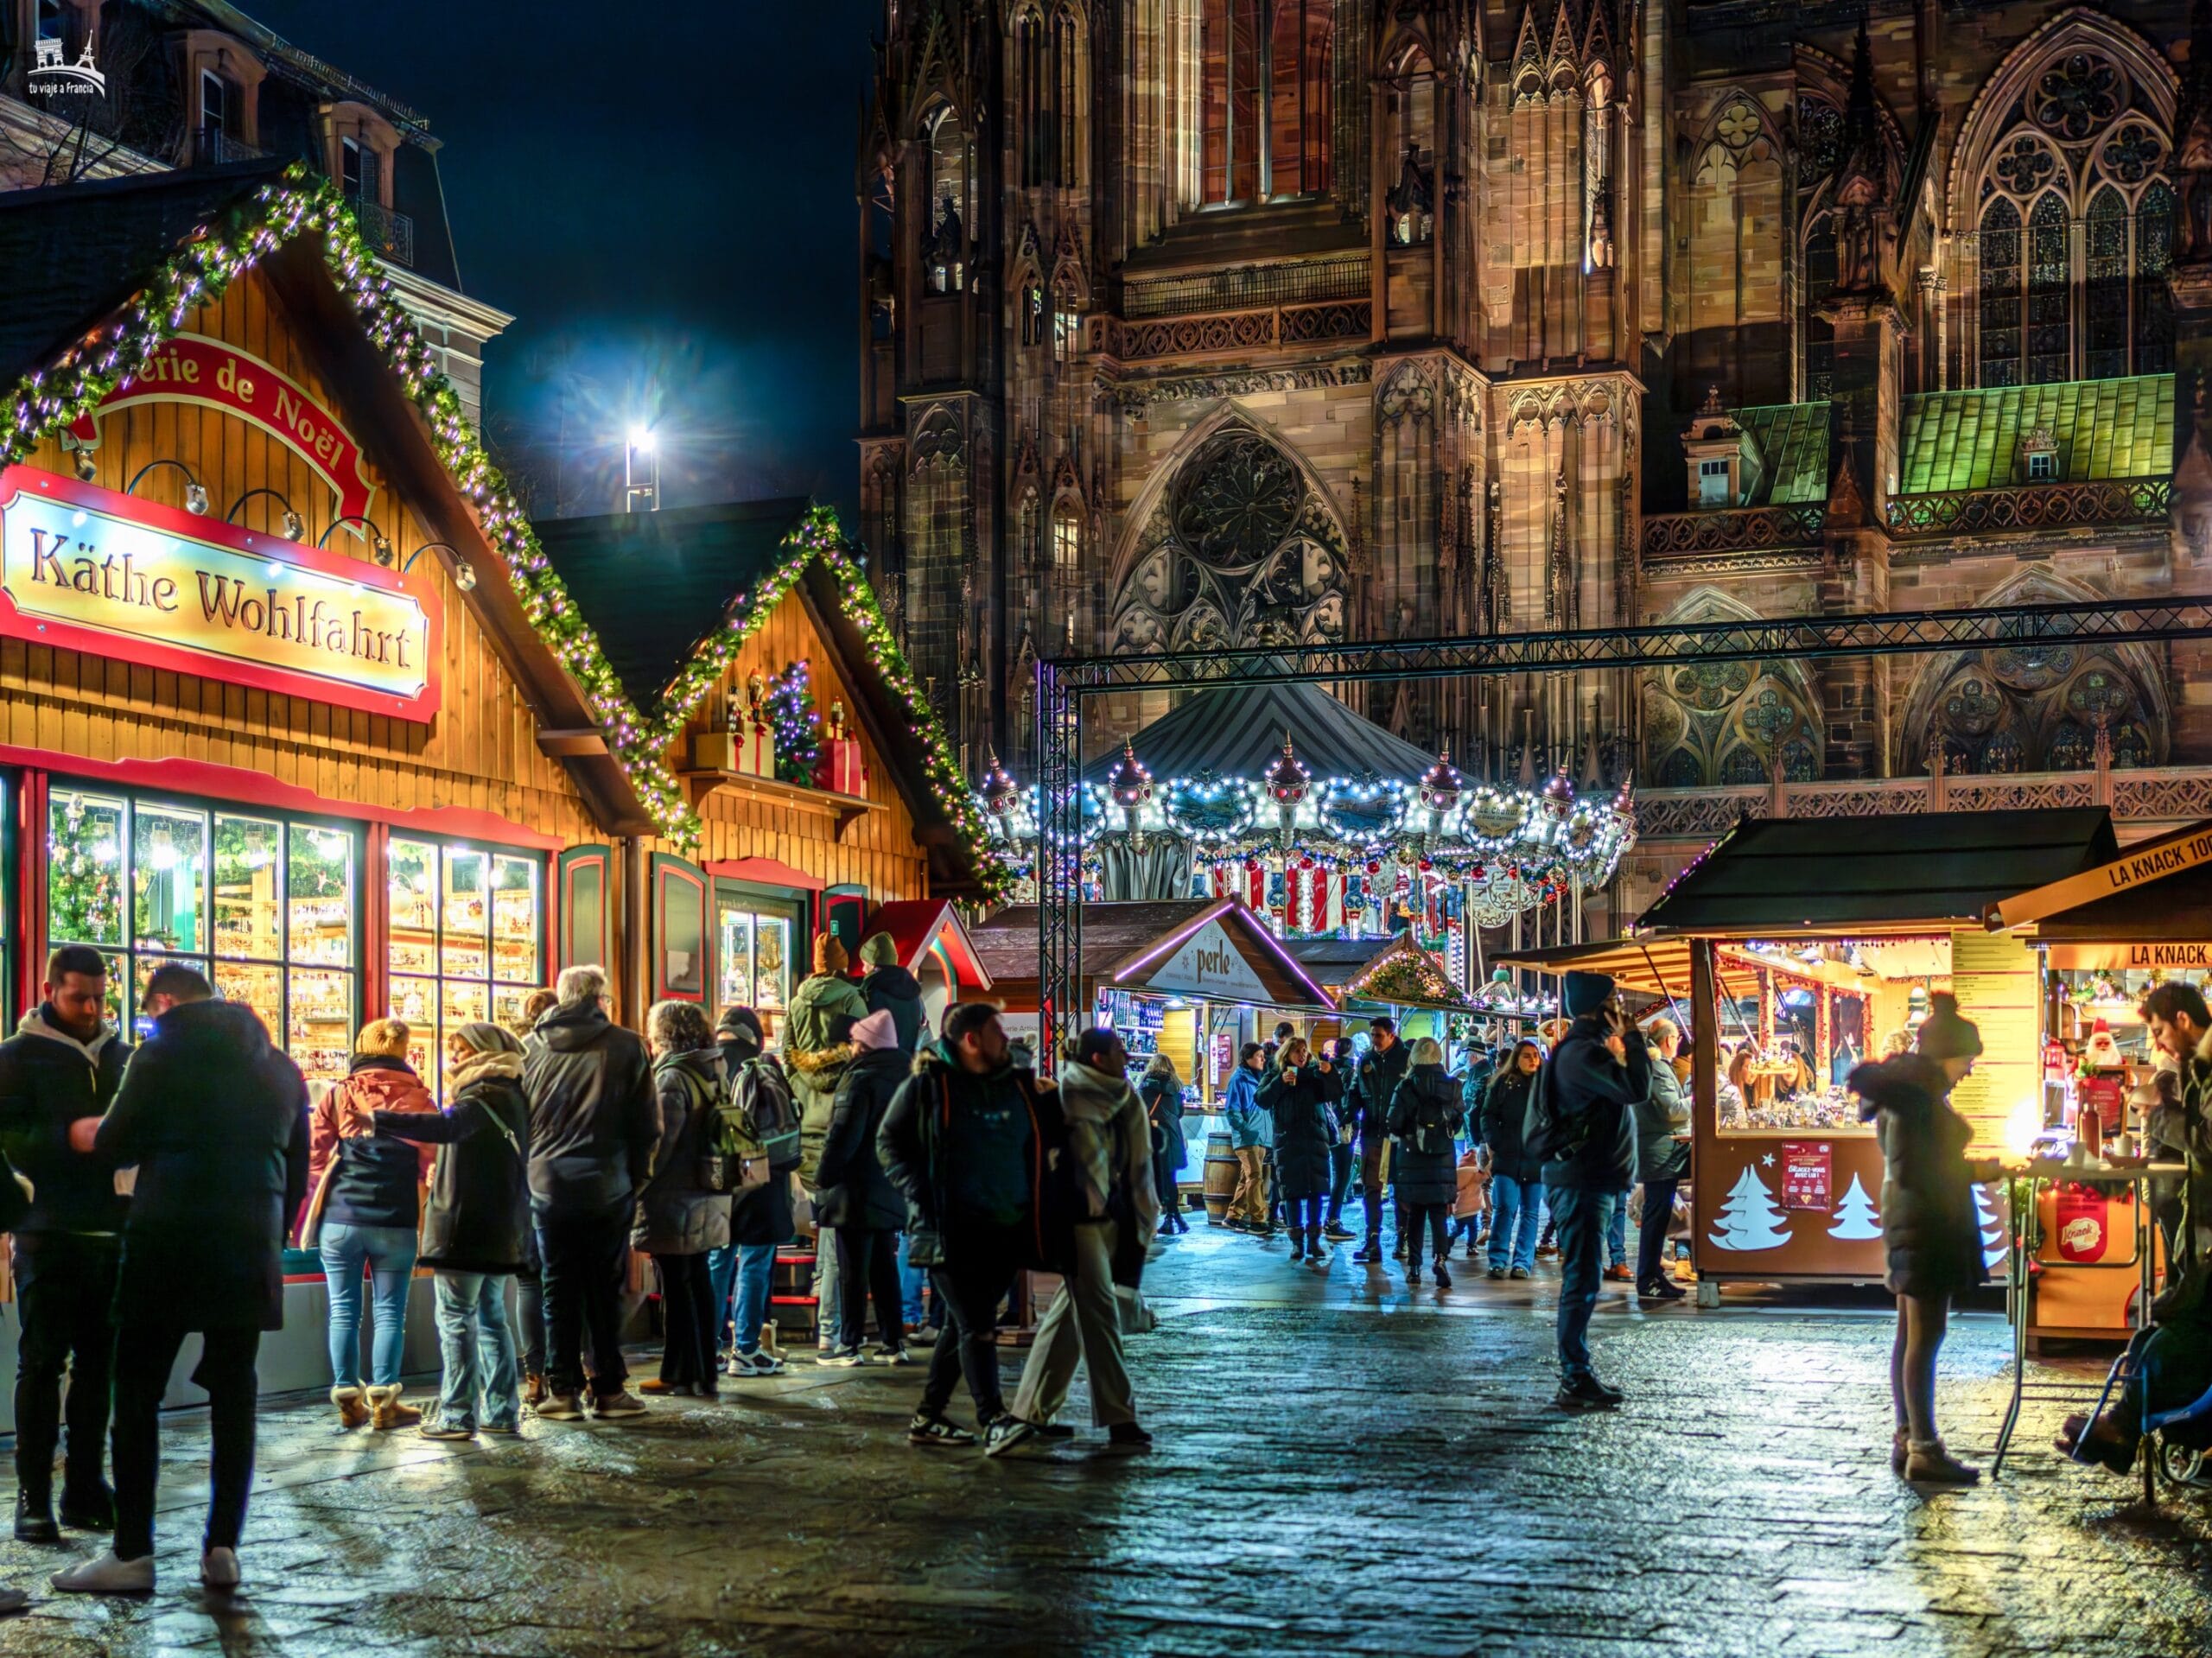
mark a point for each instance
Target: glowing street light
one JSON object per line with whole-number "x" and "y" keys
{"x": 641, "y": 472}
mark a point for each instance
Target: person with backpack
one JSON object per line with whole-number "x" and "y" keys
{"x": 858, "y": 1199}
{"x": 684, "y": 1212}
{"x": 760, "y": 1212}
{"x": 1374, "y": 1084}
{"x": 1424, "y": 1122}
{"x": 1516, "y": 1188}
{"x": 966, "y": 1141}
{"x": 475, "y": 1222}
{"x": 1582, "y": 1123}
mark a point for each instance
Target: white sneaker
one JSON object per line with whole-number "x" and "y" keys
{"x": 218, "y": 1568}
{"x": 108, "y": 1576}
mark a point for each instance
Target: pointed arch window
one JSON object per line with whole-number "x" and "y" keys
{"x": 1266, "y": 99}
{"x": 1820, "y": 334}
{"x": 2075, "y": 231}
{"x": 1030, "y": 118}
{"x": 1071, "y": 97}
{"x": 945, "y": 247}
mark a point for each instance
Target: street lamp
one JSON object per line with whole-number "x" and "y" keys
{"x": 641, "y": 472}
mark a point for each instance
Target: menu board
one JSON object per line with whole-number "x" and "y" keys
{"x": 1996, "y": 979}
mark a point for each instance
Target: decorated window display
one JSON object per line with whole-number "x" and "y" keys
{"x": 466, "y": 943}
{"x": 264, "y": 905}
{"x": 753, "y": 959}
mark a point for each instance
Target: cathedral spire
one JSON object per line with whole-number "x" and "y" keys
{"x": 1860, "y": 191}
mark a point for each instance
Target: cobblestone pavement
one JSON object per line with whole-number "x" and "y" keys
{"x": 1342, "y": 1467}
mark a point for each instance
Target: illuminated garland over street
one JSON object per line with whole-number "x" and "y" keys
{"x": 87, "y": 370}
{"x": 1514, "y": 849}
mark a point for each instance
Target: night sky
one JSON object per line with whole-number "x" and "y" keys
{"x": 664, "y": 198}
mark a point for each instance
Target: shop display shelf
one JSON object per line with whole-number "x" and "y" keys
{"x": 844, "y": 810}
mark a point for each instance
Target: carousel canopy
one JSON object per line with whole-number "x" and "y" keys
{"x": 1237, "y": 731}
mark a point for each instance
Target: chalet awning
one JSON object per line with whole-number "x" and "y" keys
{"x": 1866, "y": 877}
{"x": 2156, "y": 892}
{"x": 922, "y": 927}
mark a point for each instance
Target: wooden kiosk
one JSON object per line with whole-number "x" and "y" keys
{"x": 1896, "y": 905}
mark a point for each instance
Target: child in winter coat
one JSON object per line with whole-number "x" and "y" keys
{"x": 1470, "y": 1207}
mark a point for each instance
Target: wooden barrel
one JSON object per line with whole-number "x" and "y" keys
{"x": 1221, "y": 1177}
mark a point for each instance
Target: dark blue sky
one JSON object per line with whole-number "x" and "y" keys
{"x": 663, "y": 197}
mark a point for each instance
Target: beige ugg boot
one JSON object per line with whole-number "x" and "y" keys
{"x": 351, "y": 1412}
{"x": 387, "y": 1412}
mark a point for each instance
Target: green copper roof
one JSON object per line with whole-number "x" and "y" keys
{"x": 2106, "y": 429}
{"x": 1793, "y": 438}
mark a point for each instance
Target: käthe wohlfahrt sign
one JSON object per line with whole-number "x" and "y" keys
{"x": 87, "y": 569}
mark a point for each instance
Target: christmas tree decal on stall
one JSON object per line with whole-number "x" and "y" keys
{"x": 1855, "y": 1219}
{"x": 1996, "y": 1230}
{"x": 1749, "y": 1218}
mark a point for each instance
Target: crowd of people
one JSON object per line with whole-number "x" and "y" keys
{"x": 1444, "y": 1159}
{"x": 153, "y": 1188}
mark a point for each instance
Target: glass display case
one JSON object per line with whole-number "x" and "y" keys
{"x": 753, "y": 957}
{"x": 467, "y": 939}
{"x": 252, "y": 900}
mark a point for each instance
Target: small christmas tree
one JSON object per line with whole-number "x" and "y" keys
{"x": 798, "y": 724}
{"x": 1750, "y": 1219}
{"x": 1855, "y": 1219}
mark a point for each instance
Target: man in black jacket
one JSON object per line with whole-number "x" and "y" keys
{"x": 1597, "y": 1076}
{"x": 62, "y": 1067}
{"x": 594, "y": 1125}
{"x": 215, "y": 1121}
{"x": 965, "y": 1139}
{"x": 1374, "y": 1082}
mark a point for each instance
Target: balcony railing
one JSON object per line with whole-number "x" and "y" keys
{"x": 391, "y": 234}
{"x": 1733, "y": 530}
{"x": 2032, "y": 506}
{"x": 1193, "y": 336}
{"x": 2142, "y": 796}
{"x": 213, "y": 147}
{"x": 1246, "y": 287}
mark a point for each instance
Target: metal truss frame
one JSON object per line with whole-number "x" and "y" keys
{"x": 1064, "y": 686}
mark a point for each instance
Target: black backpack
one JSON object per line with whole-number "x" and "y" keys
{"x": 763, "y": 1098}
{"x": 1544, "y": 1137}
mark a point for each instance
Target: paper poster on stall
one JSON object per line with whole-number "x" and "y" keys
{"x": 1808, "y": 1175}
{"x": 1999, "y": 987}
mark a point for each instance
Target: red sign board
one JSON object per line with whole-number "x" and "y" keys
{"x": 1808, "y": 1175}
{"x": 88, "y": 569}
{"x": 192, "y": 368}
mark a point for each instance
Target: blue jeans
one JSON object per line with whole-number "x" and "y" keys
{"x": 721, "y": 1276}
{"x": 1617, "y": 1231}
{"x": 1584, "y": 1218}
{"x": 478, "y": 1350}
{"x": 1515, "y": 1206}
{"x": 756, "y": 1271}
{"x": 389, "y": 1253}
{"x": 1342, "y": 1160}
{"x": 911, "y": 1280}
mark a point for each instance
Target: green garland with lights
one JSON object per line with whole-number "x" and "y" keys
{"x": 91, "y": 366}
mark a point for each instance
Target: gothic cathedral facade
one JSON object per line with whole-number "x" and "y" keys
{"x": 1192, "y": 323}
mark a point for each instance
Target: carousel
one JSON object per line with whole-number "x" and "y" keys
{"x": 1322, "y": 822}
